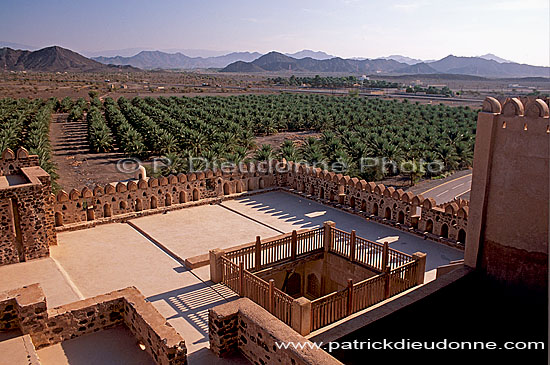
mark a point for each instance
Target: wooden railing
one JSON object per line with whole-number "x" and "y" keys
{"x": 395, "y": 273}
{"x": 274, "y": 251}
{"x": 341, "y": 242}
{"x": 264, "y": 293}
{"x": 309, "y": 241}
{"x": 371, "y": 254}
{"x": 356, "y": 297}
{"x": 403, "y": 278}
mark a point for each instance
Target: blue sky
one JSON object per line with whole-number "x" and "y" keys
{"x": 427, "y": 29}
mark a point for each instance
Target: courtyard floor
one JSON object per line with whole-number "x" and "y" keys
{"x": 93, "y": 261}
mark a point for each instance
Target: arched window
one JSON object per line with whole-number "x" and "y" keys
{"x": 107, "y": 210}
{"x": 445, "y": 230}
{"x": 462, "y": 236}
{"x": 58, "y": 219}
{"x": 401, "y": 217}
{"x": 429, "y": 226}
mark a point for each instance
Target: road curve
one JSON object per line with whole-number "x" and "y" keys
{"x": 450, "y": 189}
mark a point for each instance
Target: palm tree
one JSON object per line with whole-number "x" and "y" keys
{"x": 289, "y": 151}
{"x": 264, "y": 153}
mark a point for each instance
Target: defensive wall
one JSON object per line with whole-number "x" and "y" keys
{"x": 25, "y": 309}
{"x": 508, "y": 232}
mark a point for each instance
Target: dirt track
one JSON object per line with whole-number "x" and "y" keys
{"x": 76, "y": 166}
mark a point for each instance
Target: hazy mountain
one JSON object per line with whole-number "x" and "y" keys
{"x": 278, "y": 62}
{"x": 417, "y": 68}
{"x": 482, "y": 67}
{"x": 12, "y": 45}
{"x": 275, "y": 61}
{"x": 49, "y": 59}
{"x": 163, "y": 60}
{"x": 490, "y": 56}
{"x": 402, "y": 59}
{"x": 316, "y": 55}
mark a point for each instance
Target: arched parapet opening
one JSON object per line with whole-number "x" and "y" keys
{"x": 226, "y": 189}
{"x": 138, "y": 205}
{"x": 429, "y": 226}
{"x": 154, "y": 202}
{"x": 196, "y": 195}
{"x": 375, "y": 209}
{"x": 461, "y": 236}
{"x": 387, "y": 213}
{"x": 401, "y": 217}
{"x": 107, "y": 212}
{"x": 90, "y": 213}
{"x": 167, "y": 200}
{"x": 444, "y": 230}
{"x": 58, "y": 219}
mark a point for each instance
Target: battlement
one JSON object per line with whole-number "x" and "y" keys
{"x": 11, "y": 163}
{"x": 510, "y": 192}
{"x": 520, "y": 114}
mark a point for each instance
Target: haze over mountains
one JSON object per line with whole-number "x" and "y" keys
{"x": 56, "y": 58}
{"x": 476, "y": 66}
{"x": 51, "y": 59}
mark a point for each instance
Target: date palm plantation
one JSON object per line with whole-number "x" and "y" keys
{"x": 223, "y": 129}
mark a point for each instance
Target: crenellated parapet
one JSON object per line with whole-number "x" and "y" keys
{"x": 113, "y": 200}
{"x": 385, "y": 204}
{"x": 26, "y": 208}
{"x": 509, "y": 208}
{"x": 12, "y": 162}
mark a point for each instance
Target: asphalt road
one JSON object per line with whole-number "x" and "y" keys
{"x": 450, "y": 189}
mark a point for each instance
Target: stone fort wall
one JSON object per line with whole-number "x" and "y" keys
{"x": 26, "y": 208}
{"x": 508, "y": 235}
{"x": 26, "y": 309}
{"x": 385, "y": 204}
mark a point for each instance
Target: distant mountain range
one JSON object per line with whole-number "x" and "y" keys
{"x": 55, "y": 58}
{"x": 476, "y": 66}
{"x": 161, "y": 60}
{"x": 51, "y": 59}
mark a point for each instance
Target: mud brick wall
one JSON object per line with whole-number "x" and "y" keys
{"x": 26, "y": 309}
{"x": 8, "y": 314}
{"x": 33, "y": 202}
{"x": 223, "y": 330}
{"x": 109, "y": 202}
{"x": 446, "y": 222}
{"x": 162, "y": 342}
{"x": 244, "y": 325}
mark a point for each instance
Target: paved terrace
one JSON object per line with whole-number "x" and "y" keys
{"x": 114, "y": 256}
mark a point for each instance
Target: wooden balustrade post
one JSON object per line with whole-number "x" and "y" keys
{"x": 258, "y": 254}
{"x": 385, "y": 255}
{"x": 328, "y": 235}
{"x": 350, "y": 297}
{"x": 271, "y": 295}
{"x": 387, "y": 278}
{"x": 216, "y": 268}
{"x": 294, "y": 245}
{"x": 352, "y": 246}
{"x": 420, "y": 257}
{"x": 241, "y": 279}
